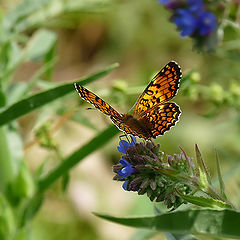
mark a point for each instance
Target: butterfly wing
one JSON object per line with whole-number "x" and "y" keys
{"x": 163, "y": 87}
{"x": 96, "y": 101}
{"x": 160, "y": 119}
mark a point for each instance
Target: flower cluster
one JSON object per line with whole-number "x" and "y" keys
{"x": 142, "y": 168}
{"x": 193, "y": 19}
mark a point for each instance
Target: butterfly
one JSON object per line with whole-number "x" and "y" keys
{"x": 153, "y": 114}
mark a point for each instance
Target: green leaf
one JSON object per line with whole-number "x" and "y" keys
{"x": 208, "y": 222}
{"x": 21, "y": 11}
{"x": 94, "y": 144}
{"x": 2, "y": 99}
{"x": 41, "y": 43}
{"x": 32, "y": 13}
{"x": 204, "y": 175}
{"x": 7, "y": 172}
{"x": 7, "y": 219}
{"x": 205, "y": 202}
{"x": 31, "y": 103}
{"x": 33, "y": 206}
{"x": 220, "y": 180}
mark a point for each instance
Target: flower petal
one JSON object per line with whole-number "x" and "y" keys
{"x": 123, "y": 146}
{"x": 124, "y": 186}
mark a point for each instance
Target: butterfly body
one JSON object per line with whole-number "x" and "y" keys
{"x": 128, "y": 121}
{"x": 152, "y": 115}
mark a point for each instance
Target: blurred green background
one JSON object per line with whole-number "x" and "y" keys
{"x": 87, "y": 36}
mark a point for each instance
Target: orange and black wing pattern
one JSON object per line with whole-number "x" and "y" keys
{"x": 152, "y": 115}
{"x": 162, "y": 88}
{"x": 160, "y": 120}
{"x": 96, "y": 101}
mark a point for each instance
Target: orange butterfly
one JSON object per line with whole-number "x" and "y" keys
{"x": 152, "y": 115}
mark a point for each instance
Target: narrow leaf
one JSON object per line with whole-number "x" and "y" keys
{"x": 205, "y": 202}
{"x": 31, "y": 103}
{"x": 34, "y": 205}
{"x": 220, "y": 180}
{"x": 208, "y": 222}
{"x": 204, "y": 175}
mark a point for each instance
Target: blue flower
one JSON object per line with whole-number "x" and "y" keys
{"x": 194, "y": 20}
{"x": 124, "y": 186}
{"x": 127, "y": 169}
{"x": 186, "y": 22}
{"x": 124, "y": 145}
{"x": 195, "y": 5}
{"x": 206, "y": 23}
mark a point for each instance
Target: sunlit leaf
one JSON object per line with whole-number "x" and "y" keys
{"x": 208, "y": 222}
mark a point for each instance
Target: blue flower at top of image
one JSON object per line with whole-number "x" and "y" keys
{"x": 191, "y": 17}
{"x": 127, "y": 169}
{"x": 207, "y": 23}
{"x": 124, "y": 145}
{"x": 195, "y": 5}
{"x": 186, "y": 22}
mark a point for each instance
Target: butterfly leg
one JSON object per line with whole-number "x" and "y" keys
{"x": 124, "y": 136}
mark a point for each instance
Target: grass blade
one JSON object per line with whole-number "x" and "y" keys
{"x": 220, "y": 180}
{"x": 77, "y": 156}
{"x": 205, "y": 178}
{"x": 31, "y": 103}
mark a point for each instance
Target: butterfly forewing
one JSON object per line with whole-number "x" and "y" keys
{"x": 96, "y": 101}
{"x": 162, "y": 88}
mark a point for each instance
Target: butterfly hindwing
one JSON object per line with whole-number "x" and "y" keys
{"x": 160, "y": 120}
